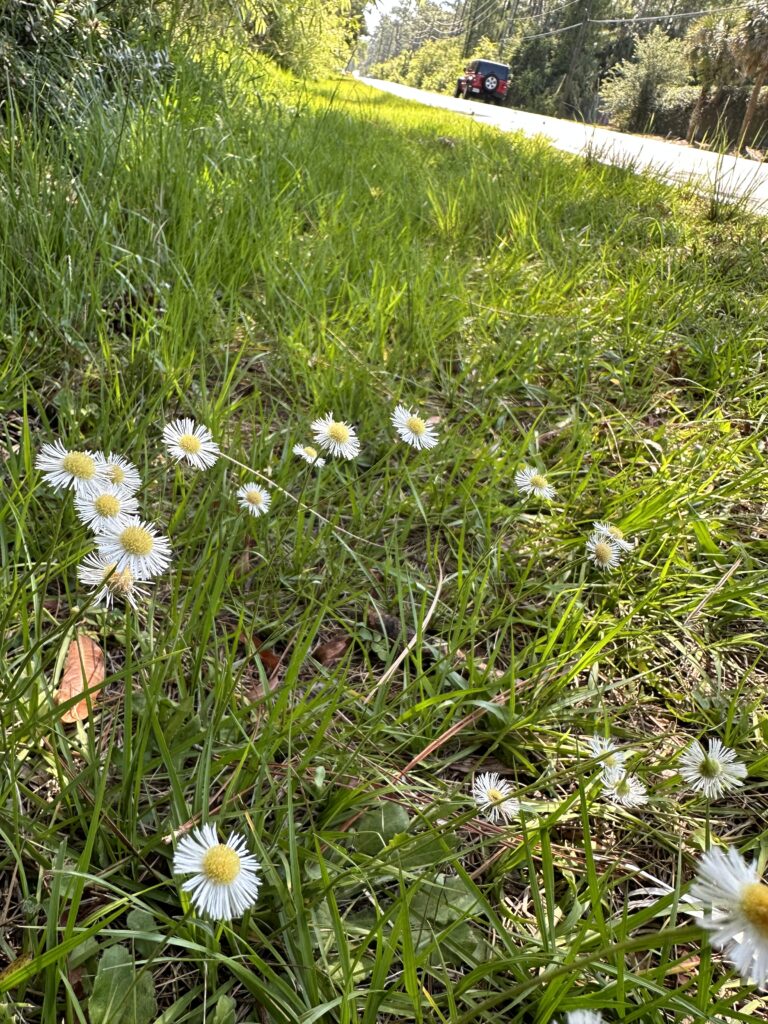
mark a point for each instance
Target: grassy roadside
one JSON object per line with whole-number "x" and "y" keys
{"x": 253, "y": 253}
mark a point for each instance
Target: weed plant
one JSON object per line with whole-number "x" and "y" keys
{"x": 252, "y": 254}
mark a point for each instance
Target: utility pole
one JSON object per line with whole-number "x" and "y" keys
{"x": 578, "y": 46}
{"x": 507, "y": 31}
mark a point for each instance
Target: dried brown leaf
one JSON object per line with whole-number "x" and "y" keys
{"x": 83, "y": 670}
{"x": 332, "y": 650}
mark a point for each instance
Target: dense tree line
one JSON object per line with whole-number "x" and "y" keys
{"x": 643, "y": 64}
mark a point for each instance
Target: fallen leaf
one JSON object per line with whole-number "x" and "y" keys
{"x": 83, "y": 670}
{"x": 333, "y": 649}
{"x": 271, "y": 660}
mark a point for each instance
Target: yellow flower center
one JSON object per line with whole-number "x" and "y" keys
{"x": 79, "y": 465}
{"x": 136, "y": 540}
{"x": 310, "y": 451}
{"x": 339, "y": 432}
{"x": 603, "y": 553}
{"x": 495, "y": 795}
{"x": 539, "y": 481}
{"x": 616, "y": 533}
{"x": 190, "y": 444}
{"x": 116, "y": 474}
{"x": 416, "y": 425}
{"x": 754, "y": 906}
{"x": 221, "y": 864}
{"x": 119, "y": 582}
{"x": 107, "y": 505}
{"x": 254, "y": 497}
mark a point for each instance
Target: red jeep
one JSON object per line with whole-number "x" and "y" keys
{"x": 485, "y": 79}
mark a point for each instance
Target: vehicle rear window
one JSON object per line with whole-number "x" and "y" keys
{"x": 487, "y": 67}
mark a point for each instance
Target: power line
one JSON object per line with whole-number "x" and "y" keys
{"x": 631, "y": 21}
{"x": 485, "y": 8}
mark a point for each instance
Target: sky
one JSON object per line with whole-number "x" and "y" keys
{"x": 373, "y": 12}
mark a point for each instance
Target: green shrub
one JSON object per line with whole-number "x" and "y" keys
{"x": 52, "y": 54}
{"x": 636, "y": 89}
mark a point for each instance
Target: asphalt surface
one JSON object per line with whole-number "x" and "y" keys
{"x": 728, "y": 178}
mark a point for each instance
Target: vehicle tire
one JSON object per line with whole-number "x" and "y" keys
{"x": 457, "y": 90}
{"x": 490, "y": 84}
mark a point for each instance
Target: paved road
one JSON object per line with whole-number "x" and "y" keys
{"x": 731, "y": 178}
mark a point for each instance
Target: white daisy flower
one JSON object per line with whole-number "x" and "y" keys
{"x": 740, "y": 927}
{"x": 614, "y": 533}
{"x": 101, "y": 575}
{"x": 583, "y": 1017}
{"x": 611, "y": 757}
{"x": 531, "y": 481}
{"x": 104, "y": 505}
{"x": 254, "y": 499}
{"x": 226, "y": 881}
{"x": 137, "y": 546}
{"x": 189, "y": 442}
{"x": 712, "y": 772}
{"x": 118, "y": 470}
{"x": 413, "y": 429}
{"x": 493, "y": 796}
{"x": 309, "y": 454}
{"x": 337, "y": 437}
{"x": 63, "y": 468}
{"x": 604, "y": 551}
{"x": 624, "y": 789}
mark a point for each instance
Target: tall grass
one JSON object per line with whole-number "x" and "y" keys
{"x": 253, "y": 253}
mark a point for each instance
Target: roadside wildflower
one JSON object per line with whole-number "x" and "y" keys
{"x": 254, "y": 499}
{"x": 612, "y": 759}
{"x": 413, "y": 429}
{"x": 225, "y": 880}
{"x": 104, "y": 505}
{"x": 712, "y": 772}
{"x": 624, "y": 789}
{"x": 583, "y": 1017}
{"x": 309, "y": 454}
{"x": 189, "y": 442}
{"x": 118, "y": 470}
{"x": 336, "y": 437}
{"x": 137, "y": 546}
{"x": 531, "y": 481}
{"x": 616, "y": 535}
{"x": 108, "y": 582}
{"x": 494, "y": 797}
{"x": 604, "y": 551}
{"x": 63, "y": 468}
{"x": 740, "y": 926}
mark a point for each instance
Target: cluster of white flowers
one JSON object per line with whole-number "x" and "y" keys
{"x": 620, "y": 786}
{"x": 711, "y": 772}
{"x": 129, "y": 551}
{"x": 606, "y": 546}
{"x": 339, "y": 438}
{"x": 725, "y": 881}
